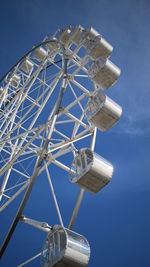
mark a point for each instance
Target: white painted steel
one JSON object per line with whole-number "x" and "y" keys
{"x": 65, "y": 248}
{"x": 15, "y": 80}
{"x": 54, "y": 196}
{"x": 104, "y": 72}
{"x": 64, "y": 36}
{"x": 81, "y": 192}
{"x": 90, "y": 171}
{"x": 99, "y": 47}
{"x": 16, "y": 114}
{"x": 27, "y": 66}
{"x": 102, "y": 111}
{"x": 34, "y": 110}
{"x": 75, "y": 35}
{"x": 40, "y": 53}
{"x": 43, "y": 226}
{"x": 29, "y": 260}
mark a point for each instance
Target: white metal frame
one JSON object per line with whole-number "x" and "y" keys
{"x": 29, "y": 144}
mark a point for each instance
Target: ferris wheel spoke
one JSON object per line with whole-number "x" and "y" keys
{"x": 75, "y": 96}
{"x": 37, "y": 112}
{"x": 25, "y": 184}
{"x": 8, "y": 173}
{"x": 75, "y": 119}
{"x": 6, "y": 114}
{"x": 80, "y": 62}
{"x": 9, "y": 138}
{"x": 77, "y": 126}
{"x": 53, "y": 194}
{"x": 76, "y": 59}
{"x": 15, "y": 186}
{"x": 20, "y": 151}
{"x": 6, "y": 122}
{"x": 23, "y": 150}
{"x": 29, "y": 111}
{"x": 6, "y": 177}
{"x": 6, "y": 196}
{"x": 34, "y": 76}
{"x": 61, "y": 165}
{"x": 74, "y": 103}
{"x": 5, "y": 180}
{"x": 80, "y": 67}
{"x": 30, "y": 149}
{"x": 64, "y": 136}
{"x": 29, "y": 260}
{"x": 81, "y": 75}
{"x": 45, "y": 104}
{"x": 23, "y": 175}
{"x": 24, "y": 159}
{"x": 29, "y": 81}
{"x": 80, "y": 86}
{"x": 81, "y": 135}
{"x": 9, "y": 189}
{"x": 46, "y": 99}
{"x": 51, "y": 158}
{"x": 14, "y": 196}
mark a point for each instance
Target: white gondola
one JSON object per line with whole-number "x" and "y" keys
{"x": 15, "y": 80}
{"x": 64, "y": 36}
{"x": 99, "y": 47}
{"x": 81, "y": 35}
{"x": 53, "y": 47}
{"x": 27, "y": 66}
{"x": 88, "y": 35}
{"x": 40, "y": 53}
{"x": 75, "y": 36}
{"x": 66, "y": 248}
{"x": 90, "y": 171}
{"x": 103, "y": 72}
{"x": 102, "y": 111}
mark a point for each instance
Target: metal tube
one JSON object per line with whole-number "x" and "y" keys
{"x": 34, "y": 48}
{"x": 81, "y": 192}
{"x": 93, "y": 139}
{"x": 14, "y": 196}
{"x": 21, "y": 207}
{"x": 76, "y": 209}
{"x": 54, "y": 196}
{"x": 39, "y": 225}
{"x": 39, "y": 162}
{"x": 29, "y": 260}
{"x": 7, "y": 174}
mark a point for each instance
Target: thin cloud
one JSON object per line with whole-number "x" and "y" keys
{"x": 134, "y": 123}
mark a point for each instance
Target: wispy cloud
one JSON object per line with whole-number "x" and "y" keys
{"x": 135, "y": 122}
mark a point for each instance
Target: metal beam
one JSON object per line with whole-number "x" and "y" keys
{"x": 21, "y": 207}
{"x": 81, "y": 192}
{"x": 39, "y": 162}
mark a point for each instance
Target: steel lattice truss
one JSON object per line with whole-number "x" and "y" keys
{"x": 23, "y": 129}
{"x": 28, "y": 101}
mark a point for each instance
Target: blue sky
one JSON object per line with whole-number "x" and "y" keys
{"x": 116, "y": 220}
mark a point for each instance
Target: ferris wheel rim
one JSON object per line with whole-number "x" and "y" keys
{"x": 25, "y": 138}
{"x": 28, "y": 53}
{"x": 24, "y": 56}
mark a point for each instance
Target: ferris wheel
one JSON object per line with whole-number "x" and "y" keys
{"x": 51, "y": 102}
